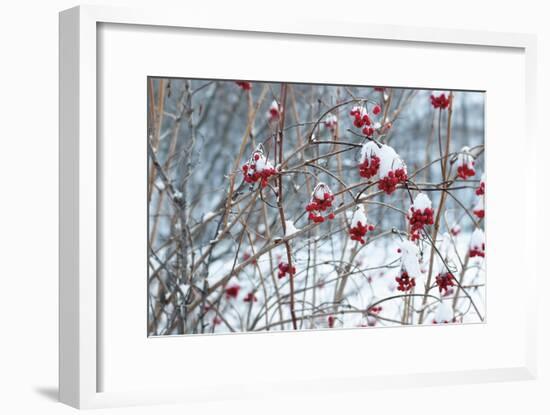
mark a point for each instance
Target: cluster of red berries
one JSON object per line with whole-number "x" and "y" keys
{"x": 464, "y": 171}
{"x": 361, "y": 117}
{"x": 285, "y": 268}
{"x": 405, "y": 282}
{"x": 389, "y": 183}
{"x": 232, "y": 292}
{"x": 441, "y": 101}
{"x": 375, "y": 309}
{"x": 252, "y": 173}
{"x": 250, "y": 298}
{"x": 418, "y": 218}
{"x": 358, "y": 232}
{"x": 444, "y": 281}
{"x": 454, "y": 320}
{"x": 369, "y": 167}
{"x": 480, "y": 191}
{"x": 479, "y": 212}
{"x": 247, "y": 86}
{"x": 247, "y": 255}
{"x": 478, "y": 251}
{"x": 318, "y": 204}
{"x": 331, "y": 320}
{"x": 274, "y": 111}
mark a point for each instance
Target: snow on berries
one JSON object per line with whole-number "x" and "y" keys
{"x": 245, "y": 85}
{"x": 320, "y": 201}
{"x": 479, "y": 208}
{"x": 410, "y": 266}
{"x": 284, "y": 269}
{"x": 361, "y": 116}
{"x": 466, "y": 163}
{"x": 420, "y": 214}
{"x": 443, "y": 314}
{"x": 360, "y": 225}
{"x": 362, "y": 119}
{"x": 274, "y": 111}
{"x": 393, "y": 170}
{"x": 440, "y": 102}
{"x": 369, "y": 163}
{"x": 477, "y": 244}
{"x": 258, "y": 168}
{"x": 444, "y": 281}
{"x": 330, "y": 122}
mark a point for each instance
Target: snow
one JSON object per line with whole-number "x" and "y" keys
{"x": 478, "y": 239}
{"x": 331, "y": 119}
{"x": 369, "y": 149}
{"x": 290, "y": 228}
{"x": 480, "y": 205}
{"x": 444, "y": 313}
{"x": 359, "y": 108}
{"x": 320, "y": 190}
{"x": 409, "y": 259}
{"x": 465, "y": 158}
{"x": 209, "y": 215}
{"x": 359, "y": 216}
{"x": 422, "y": 202}
{"x": 389, "y": 160}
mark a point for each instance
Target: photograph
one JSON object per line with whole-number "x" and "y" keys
{"x": 281, "y": 206}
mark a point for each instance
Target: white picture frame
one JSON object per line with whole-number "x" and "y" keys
{"x": 79, "y": 164}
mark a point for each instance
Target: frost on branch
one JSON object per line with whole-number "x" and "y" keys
{"x": 466, "y": 163}
{"x": 393, "y": 170}
{"x": 360, "y": 225}
{"x": 258, "y": 168}
{"x": 477, "y": 244}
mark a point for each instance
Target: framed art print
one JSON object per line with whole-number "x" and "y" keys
{"x": 284, "y": 222}
{"x": 331, "y": 213}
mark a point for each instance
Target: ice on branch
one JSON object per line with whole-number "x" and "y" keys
{"x": 477, "y": 244}
{"x": 443, "y": 314}
{"x": 360, "y": 225}
{"x": 466, "y": 163}
{"x": 392, "y": 169}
